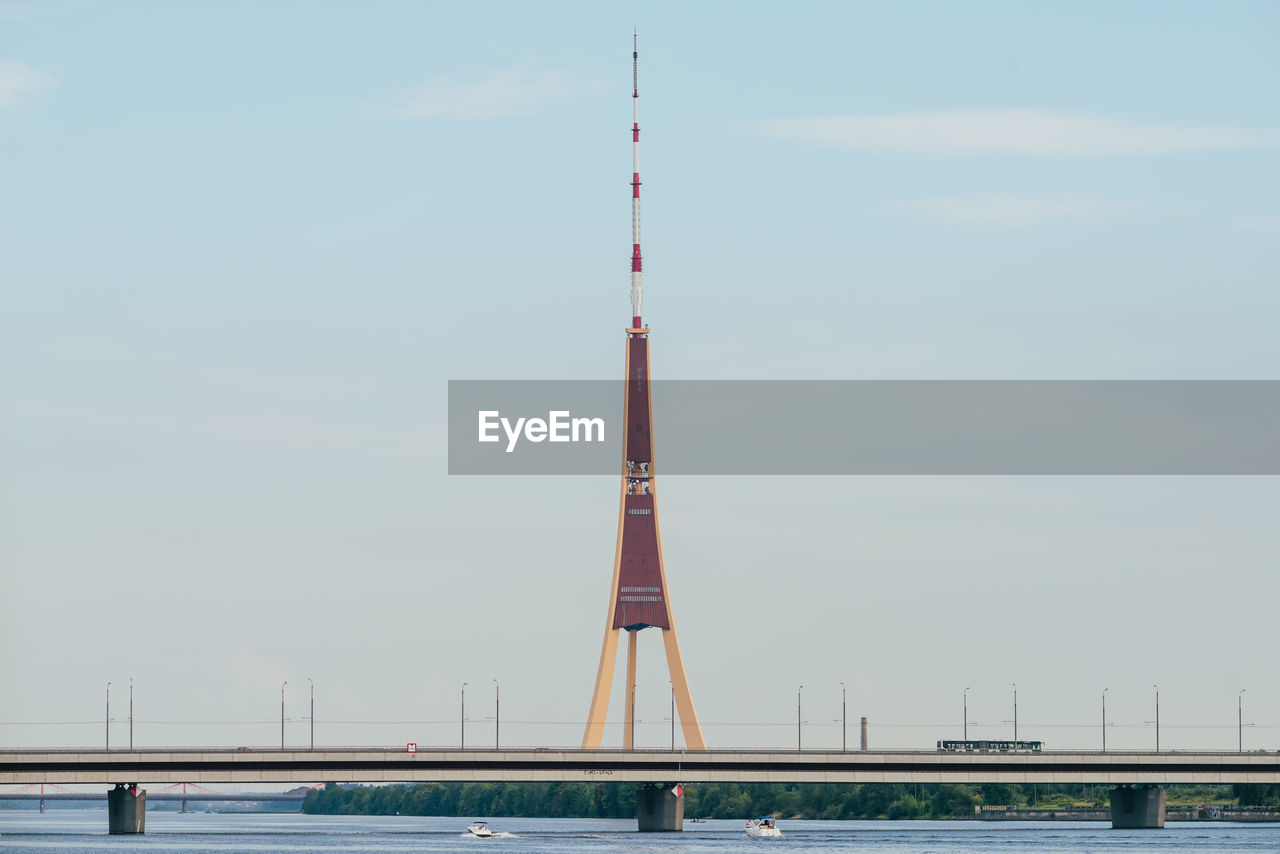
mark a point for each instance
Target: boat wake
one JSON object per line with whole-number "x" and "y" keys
{"x": 500, "y": 834}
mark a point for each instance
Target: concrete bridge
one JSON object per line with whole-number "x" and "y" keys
{"x": 375, "y": 765}
{"x": 1137, "y": 800}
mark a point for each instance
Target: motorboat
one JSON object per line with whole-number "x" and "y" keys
{"x": 762, "y": 826}
{"x": 481, "y": 829}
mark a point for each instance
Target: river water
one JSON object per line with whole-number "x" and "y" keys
{"x": 84, "y": 832}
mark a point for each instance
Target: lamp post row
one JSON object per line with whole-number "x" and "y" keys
{"x": 844, "y": 719}
{"x": 1239, "y": 716}
{"x": 107, "y": 735}
{"x": 497, "y": 715}
{"x": 107, "y": 721}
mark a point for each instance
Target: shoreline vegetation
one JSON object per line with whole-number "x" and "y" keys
{"x": 733, "y": 800}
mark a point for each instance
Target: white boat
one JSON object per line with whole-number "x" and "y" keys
{"x": 762, "y": 826}
{"x": 479, "y": 828}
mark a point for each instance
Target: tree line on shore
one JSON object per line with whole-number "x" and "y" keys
{"x": 737, "y": 800}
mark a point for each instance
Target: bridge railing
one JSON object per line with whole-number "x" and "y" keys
{"x": 765, "y": 751}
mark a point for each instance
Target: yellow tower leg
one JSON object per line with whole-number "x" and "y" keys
{"x": 594, "y": 732}
{"x": 629, "y": 734}
{"x": 680, "y": 685}
{"x": 604, "y": 682}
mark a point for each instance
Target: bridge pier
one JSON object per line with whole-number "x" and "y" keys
{"x": 1137, "y": 807}
{"x": 126, "y": 809}
{"x": 659, "y": 809}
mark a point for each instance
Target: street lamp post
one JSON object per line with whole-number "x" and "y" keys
{"x": 282, "y": 684}
{"x": 108, "y": 716}
{"x": 1015, "y": 712}
{"x": 844, "y": 719}
{"x": 1240, "y": 719}
{"x": 1157, "y": 687}
{"x": 798, "y": 690}
{"x": 966, "y": 713}
{"x": 496, "y": 717}
{"x": 313, "y": 712}
{"x": 462, "y": 717}
{"x": 673, "y": 716}
{"x": 1104, "y": 719}
{"x": 130, "y": 713}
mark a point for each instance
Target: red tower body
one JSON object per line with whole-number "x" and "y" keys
{"x": 641, "y": 596}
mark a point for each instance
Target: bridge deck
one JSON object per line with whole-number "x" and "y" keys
{"x": 370, "y": 765}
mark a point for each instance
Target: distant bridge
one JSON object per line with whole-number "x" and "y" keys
{"x": 373, "y": 765}
{"x": 184, "y": 793}
{"x": 246, "y": 798}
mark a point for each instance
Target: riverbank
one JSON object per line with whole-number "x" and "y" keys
{"x": 993, "y": 802}
{"x": 1179, "y": 812}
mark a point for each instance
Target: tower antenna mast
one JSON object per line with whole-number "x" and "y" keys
{"x": 637, "y": 287}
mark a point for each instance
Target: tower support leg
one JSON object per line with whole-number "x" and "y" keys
{"x": 689, "y": 725}
{"x": 629, "y": 733}
{"x": 1137, "y": 807}
{"x": 126, "y": 809}
{"x": 604, "y": 682}
{"x": 659, "y": 809}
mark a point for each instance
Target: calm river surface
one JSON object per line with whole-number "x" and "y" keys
{"x": 84, "y": 831}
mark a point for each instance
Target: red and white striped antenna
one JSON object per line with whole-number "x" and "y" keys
{"x": 637, "y": 291}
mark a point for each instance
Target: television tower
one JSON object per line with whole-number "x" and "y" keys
{"x": 638, "y": 599}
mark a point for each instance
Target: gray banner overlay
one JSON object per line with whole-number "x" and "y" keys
{"x": 818, "y": 427}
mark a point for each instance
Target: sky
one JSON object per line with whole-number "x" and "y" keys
{"x": 245, "y": 246}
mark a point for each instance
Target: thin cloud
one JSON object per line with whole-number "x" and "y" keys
{"x": 1022, "y": 209}
{"x": 253, "y": 674}
{"x": 300, "y": 432}
{"x": 153, "y": 368}
{"x": 306, "y": 384}
{"x": 500, "y": 95}
{"x": 10, "y": 11}
{"x": 17, "y": 80}
{"x": 1018, "y": 133}
{"x": 1263, "y": 226}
